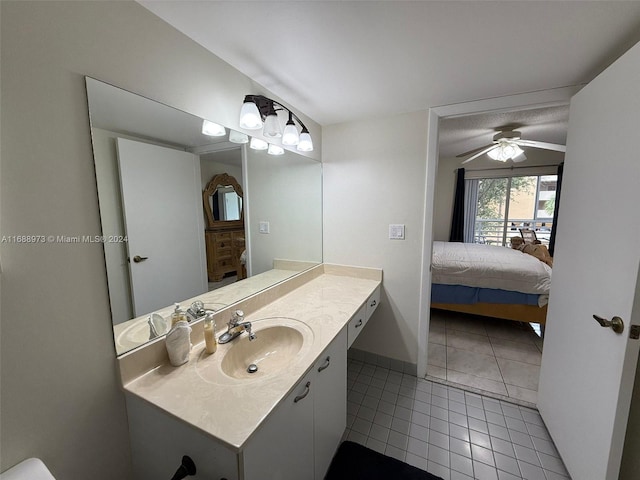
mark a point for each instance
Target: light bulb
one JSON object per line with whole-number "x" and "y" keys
{"x": 213, "y": 129}
{"x": 258, "y": 144}
{"x": 250, "y": 115}
{"x": 275, "y": 149}
{"x": 290, "y": 135}
{"x": 272, "y": 126}
{"x": 237, "y": 137}
{"x": 305, "y": 145}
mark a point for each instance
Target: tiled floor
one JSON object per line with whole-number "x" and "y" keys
{"x": 451, "y": 433}
{"x": 495, "y": 357}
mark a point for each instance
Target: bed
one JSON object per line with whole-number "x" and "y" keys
{"x": 488, "y": 280}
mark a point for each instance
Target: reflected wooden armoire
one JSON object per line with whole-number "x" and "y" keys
{"x": 224, "y": 238}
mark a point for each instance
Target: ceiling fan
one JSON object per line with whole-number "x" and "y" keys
{"x": 506, "y": 146}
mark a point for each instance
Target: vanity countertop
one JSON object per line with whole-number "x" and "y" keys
{"x": 230, "y": 413}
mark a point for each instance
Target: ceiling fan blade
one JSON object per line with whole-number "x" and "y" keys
{"x": 475, "y": 150}
{"x": 488, "y": 149}
{"x": 543, "y": 145}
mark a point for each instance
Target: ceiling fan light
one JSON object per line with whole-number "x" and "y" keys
{"x": 213, "y": 129}
{"x": 238, "y": 137}
{"x": 250, "y": 115}
{"x": 258, "y": 144}
{"x": 306, "y": 144}
{"x": 517, "y": 151}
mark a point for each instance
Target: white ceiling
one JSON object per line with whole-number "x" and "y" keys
{"x": 338, "y": 61}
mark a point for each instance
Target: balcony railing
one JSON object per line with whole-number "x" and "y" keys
{"x": 493, "y": 231}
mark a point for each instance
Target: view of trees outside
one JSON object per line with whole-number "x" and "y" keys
{"x": 525, "y": 207}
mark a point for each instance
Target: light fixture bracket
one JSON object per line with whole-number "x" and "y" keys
{"x": 267, "y": 105}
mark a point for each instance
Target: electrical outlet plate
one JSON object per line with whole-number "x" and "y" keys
{"x": 396, "y": 231}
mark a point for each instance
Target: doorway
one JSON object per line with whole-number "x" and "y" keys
{"x": 430, "y": 334}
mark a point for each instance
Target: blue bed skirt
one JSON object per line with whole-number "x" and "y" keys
{"x": 459, "y": 294}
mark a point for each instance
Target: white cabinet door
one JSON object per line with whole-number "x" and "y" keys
{"x": 330, "y": 402}
{"x": 588, "y": 371}
{"x": 282, "y": 448}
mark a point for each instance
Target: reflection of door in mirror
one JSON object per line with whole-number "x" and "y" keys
{"x": 159, "y": 198}
{"x": 224, "y": 232}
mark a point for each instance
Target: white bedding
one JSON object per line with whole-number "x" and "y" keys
{"x": 487, "y": 266}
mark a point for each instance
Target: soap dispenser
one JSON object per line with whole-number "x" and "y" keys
{"x": 211, "y": 344}
{"x": 178, "y": 315}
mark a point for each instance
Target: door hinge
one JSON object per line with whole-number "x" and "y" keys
{"x": 634, "y": 332}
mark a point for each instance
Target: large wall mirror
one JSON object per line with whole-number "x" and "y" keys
{"x": 188, "y": 216}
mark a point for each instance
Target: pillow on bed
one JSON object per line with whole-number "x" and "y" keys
{"x": 538, "y": 251}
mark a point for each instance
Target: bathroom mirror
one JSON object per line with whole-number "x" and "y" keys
{"x": 153, "y": 169}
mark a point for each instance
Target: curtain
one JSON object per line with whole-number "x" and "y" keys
{"x": 457, "y": 221}
{"x": 470, "y": 209}
{"x": 552, "y": 239}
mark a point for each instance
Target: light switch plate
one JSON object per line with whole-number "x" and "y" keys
{"x": 263, "y": 227}
{"x": 396, "y": 231}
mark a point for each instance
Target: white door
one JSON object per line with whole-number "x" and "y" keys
{"x": 163, "y": 214}
{"x": 588, "y": 371}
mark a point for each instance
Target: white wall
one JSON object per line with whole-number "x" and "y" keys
{"x": 61, "y": 398}
{"x": 286, "y": 191}
{"x": 374, "y": 175}
{"x": 219, "y": 162}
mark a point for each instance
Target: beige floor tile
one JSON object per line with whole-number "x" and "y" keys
{"x": 517, "y": 351}
{"x": 437, "y": 355}
{"x": 473, "y": 363}
{"x": 437, "y": 372}
{"x": 520, "y": 393}
{"x": 469, "y": 341}
{"x": 437, "y": 336}
{"x": 477, "y": 382}
{"x": 467, "y": 323}
{"x": 514, "y": 332}
{"x": 519, "y": 374}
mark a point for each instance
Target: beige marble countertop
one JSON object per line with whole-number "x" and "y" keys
{"x": 231, "y": 411}
{"x": 133, "y": 333}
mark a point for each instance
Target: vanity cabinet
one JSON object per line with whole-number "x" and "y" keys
{"x": 360, "y": 319}
{"x": 299, "y": 438}
{"x": 296, "y": 441}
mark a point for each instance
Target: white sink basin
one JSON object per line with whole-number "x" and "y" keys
{"x": 279, "y": 343}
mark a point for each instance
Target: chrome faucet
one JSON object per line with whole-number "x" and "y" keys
{"x": 235, "y": 327}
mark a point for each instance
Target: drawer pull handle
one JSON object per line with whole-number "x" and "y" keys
{"x": 359, "y": 324}
{"x": 373, "y": 303}
{"x": 326, "y": 365}
{"x": 307, "y": 388}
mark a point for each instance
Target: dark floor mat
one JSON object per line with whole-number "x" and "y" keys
{"x": 352, "y": 461}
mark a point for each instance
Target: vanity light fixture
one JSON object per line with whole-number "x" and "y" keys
{"x": 259, "y": 111}
{"x": 275, "y": 149}
{"x": 213, "y": 129}
{"x": 238, "y": 137}
{"x": 258, "y": 144}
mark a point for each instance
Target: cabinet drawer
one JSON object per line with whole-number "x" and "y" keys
{"x": 373, "y": 302}
{"x": 223, "y": 240}
{"x": 356, "y": 324}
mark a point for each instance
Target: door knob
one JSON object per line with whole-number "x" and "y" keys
{"x": 616, "y": 323}
{"x": 139, "y": 259}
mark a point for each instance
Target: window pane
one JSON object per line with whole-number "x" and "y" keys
{"x": 492, "y": 196}
{"x": 522, "y": 205}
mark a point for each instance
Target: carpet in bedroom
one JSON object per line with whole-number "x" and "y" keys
{"x": 353, "y": 461}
